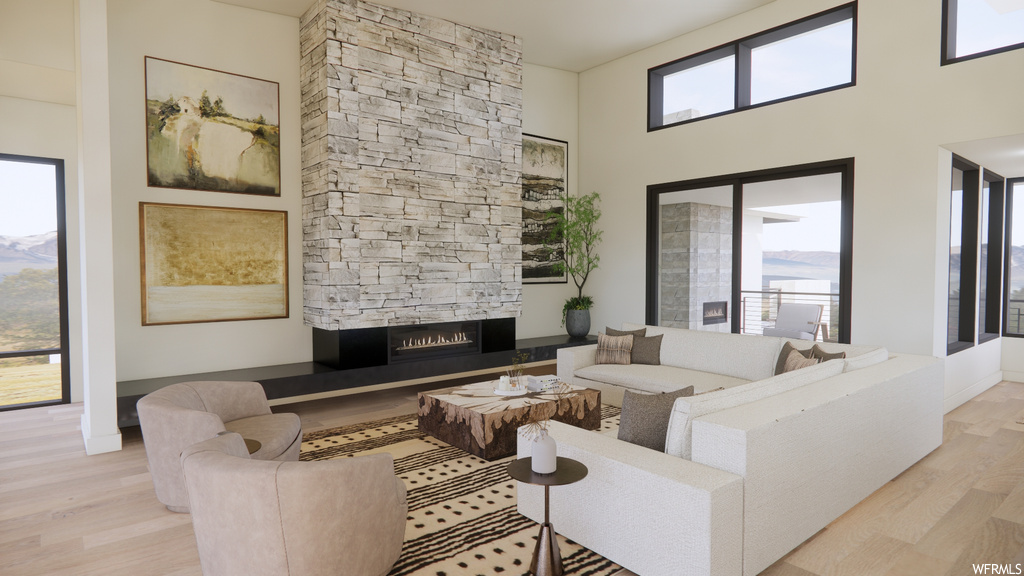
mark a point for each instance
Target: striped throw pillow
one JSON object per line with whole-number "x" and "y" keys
{"x": 614, "y": 349}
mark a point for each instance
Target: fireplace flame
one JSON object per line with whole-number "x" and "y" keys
{"x": 433, "y": 341}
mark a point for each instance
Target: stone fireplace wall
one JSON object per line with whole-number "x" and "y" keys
{"x": 411, "y": 161}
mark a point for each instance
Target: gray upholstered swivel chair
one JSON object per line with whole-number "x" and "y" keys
{"x": 342, "y": 517}
{"x": 177, "y": 416}
{"x": 800, "y": 321}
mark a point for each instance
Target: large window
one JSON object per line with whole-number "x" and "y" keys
{"x": 990, "y": 256}
{"x": 963, "y": 259}
{"x": 975, "y": 28}
{"x": 725, "y": 253}
{"x": 798, "y": 59}
{"x": 975, "y": 255}
{"x": 33, "y": 287}
{"x": 1013, "y": 324}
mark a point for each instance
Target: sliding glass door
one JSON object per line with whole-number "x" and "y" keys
{"x": 33, "y": 293}
{"x": 726, "y": 253}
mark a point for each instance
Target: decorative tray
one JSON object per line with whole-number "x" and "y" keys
{"x": 519, "y": 392}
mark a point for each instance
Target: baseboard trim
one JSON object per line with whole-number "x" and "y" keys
{"x": 99, "y": 444}
{"x": 971, "y": 391}
{"x": 1012, "y": 376}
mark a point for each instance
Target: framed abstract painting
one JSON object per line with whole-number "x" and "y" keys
{"x": 208, "y": 264}
{"x": 545, "y": 185}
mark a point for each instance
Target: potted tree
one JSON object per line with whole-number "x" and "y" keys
{"x": 577, "y": 228}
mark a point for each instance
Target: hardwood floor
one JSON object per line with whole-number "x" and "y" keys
{"x": 62, "y": 512}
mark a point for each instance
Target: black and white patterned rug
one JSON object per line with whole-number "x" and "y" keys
{"x": 462, "y": 509}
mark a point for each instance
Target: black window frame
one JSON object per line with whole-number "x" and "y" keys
{"x": 844, "y": 166}
{"x": 62, "y": 280}
{"x": 1009, "y": 187}
{"x": 967, "y": 324}
{"x": 741, "y": 49}
{"x": 989, "y": 326}
{"x": 949, "y": 27}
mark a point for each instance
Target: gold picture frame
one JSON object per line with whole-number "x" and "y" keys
{"x": 212, "y": 264}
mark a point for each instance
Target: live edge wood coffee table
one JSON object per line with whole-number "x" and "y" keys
{"x": 475, "y": 419}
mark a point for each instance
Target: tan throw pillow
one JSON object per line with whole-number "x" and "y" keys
{"x": 613, "y": 332}
{"x": 780, "y": 364}
{"x": 796, "y": 361}
{"x": 644, "y": 417}
{"x": 817, "y": 352}
{"x": 614, "y": 349}
{"x": 646, "y": 350}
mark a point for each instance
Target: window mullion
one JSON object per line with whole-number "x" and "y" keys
{"x": 742, "y": 76}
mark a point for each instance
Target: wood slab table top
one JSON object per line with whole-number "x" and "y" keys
{"x": 475, "y": 419}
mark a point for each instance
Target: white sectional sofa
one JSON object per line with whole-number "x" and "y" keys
{"x": 750, "y": 471}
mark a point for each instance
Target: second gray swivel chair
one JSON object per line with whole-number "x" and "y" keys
{"x": 177, "y": 416}
{"x": 343, "y": 517}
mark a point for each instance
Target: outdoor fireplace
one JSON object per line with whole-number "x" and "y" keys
{"x": 406, "y": 343}
{"x": 716, "y": 312}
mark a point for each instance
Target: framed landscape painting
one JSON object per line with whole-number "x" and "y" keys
{"x": 545, "y": 184}
{"x": 210, "y": 130}
{"x": 206, "y": 264}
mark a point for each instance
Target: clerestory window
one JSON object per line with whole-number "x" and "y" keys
{"x": 809, "y": 56}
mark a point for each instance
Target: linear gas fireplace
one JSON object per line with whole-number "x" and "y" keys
{"x": 444, "y": 343}
{"x": 407, "y": 343}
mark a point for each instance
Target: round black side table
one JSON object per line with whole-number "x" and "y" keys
{"x": 547, "y": 560}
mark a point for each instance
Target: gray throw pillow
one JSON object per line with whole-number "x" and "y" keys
{"x": 646, "y": 350}
{"x": 780, "y": 364}
{"x": 644, "y": 417}
{"x": 817, "y": 352}
{"x": 613, "y": 332}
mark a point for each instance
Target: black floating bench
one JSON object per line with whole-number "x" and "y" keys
{"x": 303, "y": 378}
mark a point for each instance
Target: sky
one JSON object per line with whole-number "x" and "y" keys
{"x": 981, "y": 27}
{"x": 817, "y": 230}
{"x": 28, "y": 199}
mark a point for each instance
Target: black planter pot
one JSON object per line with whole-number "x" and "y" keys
{"x": 577, "y": 323}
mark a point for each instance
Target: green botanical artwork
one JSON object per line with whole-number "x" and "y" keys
{"x": 210, "y": 130}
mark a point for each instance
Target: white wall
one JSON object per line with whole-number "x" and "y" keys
{"x": 231, "y": 39}
{"x": 550, "y": 99}
{"x": 893, "y": 122}
{"x": 1013, "y": 359}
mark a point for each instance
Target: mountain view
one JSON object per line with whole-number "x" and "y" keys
{"x": 796, "y": 264}
{"x": 20, "y": 252}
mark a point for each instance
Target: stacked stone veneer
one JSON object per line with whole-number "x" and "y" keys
{"x": 411, "y": 162}
{"x": 696, "y": 263}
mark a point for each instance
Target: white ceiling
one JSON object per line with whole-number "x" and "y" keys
{"x": 1004, "y": 155}
{"x": 572, "y": 35}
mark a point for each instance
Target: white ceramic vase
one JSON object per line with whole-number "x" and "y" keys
{"x": 545, "y": 453}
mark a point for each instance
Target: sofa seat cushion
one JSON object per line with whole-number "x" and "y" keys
{"x": 685, "y": 410}
{"x": 654, "y": 379}
{"x": 275, "y": 432}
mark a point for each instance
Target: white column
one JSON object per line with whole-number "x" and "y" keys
{"x": 99, "y": 423}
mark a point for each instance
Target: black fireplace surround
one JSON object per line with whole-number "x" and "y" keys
{"x": 452, "y": 344}
{"x": 349, "y": 359}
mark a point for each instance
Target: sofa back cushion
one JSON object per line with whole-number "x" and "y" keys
{"x": 736, "y": 355}
{"x": 685, "y": 410}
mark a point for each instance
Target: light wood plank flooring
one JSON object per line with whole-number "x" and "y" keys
{"x": 62, "y": 512}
